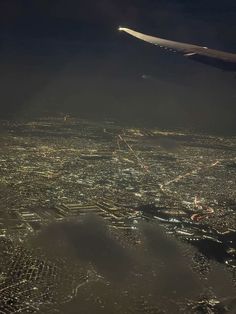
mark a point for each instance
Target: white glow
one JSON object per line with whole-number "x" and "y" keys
{"x": 121, "y": 28}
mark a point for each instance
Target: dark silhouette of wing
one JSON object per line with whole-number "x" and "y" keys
{"x": 216, "y": 58}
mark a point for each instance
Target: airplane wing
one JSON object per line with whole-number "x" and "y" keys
{"x": 220, "y": 59}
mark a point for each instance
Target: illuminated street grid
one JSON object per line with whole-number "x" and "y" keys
{"x": 55, "y": 169}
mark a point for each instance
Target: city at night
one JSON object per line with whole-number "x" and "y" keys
{"x": 118, "y": 157}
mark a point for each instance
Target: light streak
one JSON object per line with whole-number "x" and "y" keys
{"x": 145, "y": 167}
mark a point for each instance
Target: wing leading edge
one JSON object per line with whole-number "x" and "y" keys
{"x": 216, "y": 58}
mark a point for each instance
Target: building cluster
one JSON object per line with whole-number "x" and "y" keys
{"x": 54, "y": 169}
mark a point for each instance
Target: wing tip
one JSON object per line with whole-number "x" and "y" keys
{"x": 120, "y": 28}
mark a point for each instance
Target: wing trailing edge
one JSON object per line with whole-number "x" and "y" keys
{"x": 211, "y": 57}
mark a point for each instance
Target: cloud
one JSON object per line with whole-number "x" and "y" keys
{"x": 89, "y": 241}
{"x": 154, "y": 271}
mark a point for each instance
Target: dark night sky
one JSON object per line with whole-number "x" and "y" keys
{"x": 67, "y": 55}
